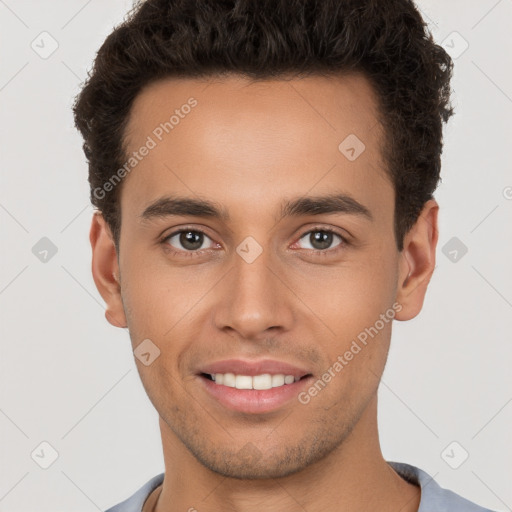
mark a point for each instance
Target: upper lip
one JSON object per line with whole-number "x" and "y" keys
{"x": 252, "y": 368}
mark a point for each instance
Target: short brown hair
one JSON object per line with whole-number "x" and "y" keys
{"x": 388, "y": 42}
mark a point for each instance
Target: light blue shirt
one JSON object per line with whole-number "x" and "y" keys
{"x": 433, "y": 497}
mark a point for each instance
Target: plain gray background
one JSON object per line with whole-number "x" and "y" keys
{"x": 69, "y": 379}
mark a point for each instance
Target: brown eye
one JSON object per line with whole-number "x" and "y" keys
{"x": 321, "y": 239}
{"x": 188, "y": 240}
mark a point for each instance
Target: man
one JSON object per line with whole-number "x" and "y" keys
{"x": 264, "y": 176}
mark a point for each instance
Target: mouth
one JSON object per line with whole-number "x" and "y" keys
{"x": 260, "y": 382}
{"x": 253, "y": 394}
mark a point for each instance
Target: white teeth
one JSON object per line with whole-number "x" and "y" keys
{"x": 229, "y": 379}
{"x": 263, "y": 381}
{"x": 277, "y": 380}
{"x": 243, "y": 382}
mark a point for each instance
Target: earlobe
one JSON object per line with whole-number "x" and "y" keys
{"x": 105, "y": 270}
{"x": 417, "y": 262}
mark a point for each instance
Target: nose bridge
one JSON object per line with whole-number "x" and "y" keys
{"x": 255, "y": 299}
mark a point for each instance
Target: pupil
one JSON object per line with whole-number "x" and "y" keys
{"x": 191, "y": 240}
{"x": 321, "y": 238}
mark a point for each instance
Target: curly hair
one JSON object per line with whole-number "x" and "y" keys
{"x": 388, "y": 42}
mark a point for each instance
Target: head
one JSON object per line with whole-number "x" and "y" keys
{"x": 242, "y": 123}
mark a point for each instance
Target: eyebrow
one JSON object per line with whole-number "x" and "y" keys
{"x": 318, "y": 205}
{"x": 308, "y": 205}
{"x": 184, "y": 206}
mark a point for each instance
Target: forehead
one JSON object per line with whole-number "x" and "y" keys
{"x": 242, "y": 142}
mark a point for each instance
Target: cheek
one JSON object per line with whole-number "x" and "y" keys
{"x": 350, "y": 295}
{"x": 161, "y": 302}
{"x": 353, "y": 372}
{"x": 147, "y": 298}
{"x": 352, "y": 304}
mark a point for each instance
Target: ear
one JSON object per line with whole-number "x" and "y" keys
{"x": 105, "y": 270}
{"x": 417, "y": 262}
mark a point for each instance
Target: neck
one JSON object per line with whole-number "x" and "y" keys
{"x": 353, "y": 478}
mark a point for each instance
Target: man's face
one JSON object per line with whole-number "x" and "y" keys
{"x": 250, "y": 149}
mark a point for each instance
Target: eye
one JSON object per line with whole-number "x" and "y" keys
{"x": 322, "y": 239}
{"x": 187, "y": 240}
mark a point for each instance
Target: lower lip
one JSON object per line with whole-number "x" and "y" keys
{"x": 254, "y": 400}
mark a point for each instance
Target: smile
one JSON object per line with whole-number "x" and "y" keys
{"x": 255, "y": 394}
{"x": 263, "y": 381}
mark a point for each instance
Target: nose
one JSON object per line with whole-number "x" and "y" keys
{"x": 254, "y": 298}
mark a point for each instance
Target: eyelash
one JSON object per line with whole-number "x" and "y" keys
{"x": 191, "y": 254}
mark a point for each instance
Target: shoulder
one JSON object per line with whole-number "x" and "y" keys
{"x": 135, "y": 501}
{"x": 433, "y": 497}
